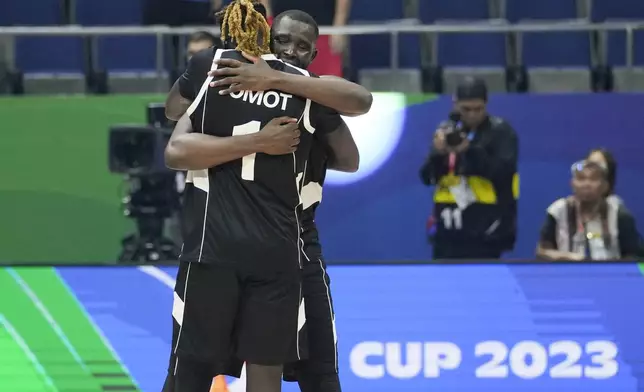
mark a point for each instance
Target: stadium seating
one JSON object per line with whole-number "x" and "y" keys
{"x": 373, "y": 51}
{"x": 370, "y": 57}
{"x": 432, "y": 10}
{"x": 617, "y": 9}
{"x": 557, "y": 61}
{"x": 42, "y": 54}
{"x": 557, "y": 49}
{"x": 616, "y": 48}
{"x": 21, "y": 13}
{"x": 140, "y": 50}
{"x": 542, "y": 9}
{"x": 483, "y": 52}
{"x": 485, "y": 49}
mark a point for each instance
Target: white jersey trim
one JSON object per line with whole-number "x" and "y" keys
{"x": 204, "y": 87}
{"x": 306, "y": 115}
{"x": 198, "y": 178}
{"x": 331, "y": 313}
{"x": 178, "y": 309}
{"x": 311, "y": 194}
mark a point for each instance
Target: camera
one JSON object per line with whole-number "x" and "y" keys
{"x": 136, "y": 152}
{"x": 454, "y": 134}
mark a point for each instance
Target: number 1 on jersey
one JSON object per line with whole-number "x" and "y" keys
{"x": 248, "y": 161}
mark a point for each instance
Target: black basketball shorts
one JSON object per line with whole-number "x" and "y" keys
{"x": 319, "y": 329}
{"x": 188, "y": 376}
{"x": 221, "y": 312}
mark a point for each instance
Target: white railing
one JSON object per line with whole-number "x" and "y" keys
{"x": 394, "y": 29}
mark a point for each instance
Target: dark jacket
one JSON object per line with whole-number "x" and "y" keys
{"x": 489, "y": 166}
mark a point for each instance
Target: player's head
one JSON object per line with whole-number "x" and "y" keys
{"x": 293, "y": 37}
{"x": 199, "y": 41}
{"x": 244, "y": 27}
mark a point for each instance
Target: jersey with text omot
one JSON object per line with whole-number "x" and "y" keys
{"x": 247, "y": 211}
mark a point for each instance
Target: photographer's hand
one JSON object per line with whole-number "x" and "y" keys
{"x": 465, "y": 144}
{"x": 436, "y": 165}
{"x": 440, "y": 145}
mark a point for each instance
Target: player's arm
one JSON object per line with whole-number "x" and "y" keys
{"x": 342, "y": 150}
{"x": 188, "y": 150}
{"x": 186, "y": 88}
{"x": 331, "y": 130}
{"x": 346, "y": 97}
{"x": 175, "y": 103}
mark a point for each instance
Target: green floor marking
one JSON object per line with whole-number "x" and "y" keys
{"x": 81, "y": 332}
{"x": 19, "y": 367}
{"x": 66, "y": 373}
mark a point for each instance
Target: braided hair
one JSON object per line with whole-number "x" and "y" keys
{"x": 243, "y": 24}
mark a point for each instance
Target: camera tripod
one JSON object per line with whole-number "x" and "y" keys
{"x": 148, "y": 244}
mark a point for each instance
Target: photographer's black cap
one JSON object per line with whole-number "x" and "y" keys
{"x": 471, "y": 88}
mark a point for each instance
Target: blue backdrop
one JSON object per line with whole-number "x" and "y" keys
{"x": 528, "y": 328}
{"x": 382, "y": 216}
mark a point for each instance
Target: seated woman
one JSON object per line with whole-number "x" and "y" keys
{"x": 588, "y": 225}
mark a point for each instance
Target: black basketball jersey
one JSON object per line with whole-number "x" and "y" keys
{"x": 312, "y": 192}
{"x": 329, "y": 120}
{"x": 247, "y": 211}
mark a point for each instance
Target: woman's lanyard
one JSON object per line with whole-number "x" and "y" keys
{"x": 581, "y": 229}
{"x": 451, "y": 163}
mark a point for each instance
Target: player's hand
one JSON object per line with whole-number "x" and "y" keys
{"x": 280, "y": 136}
{"x": 338, "y": 43}
{"x": 440, "y": 144}
{"x": 237, "y": 76}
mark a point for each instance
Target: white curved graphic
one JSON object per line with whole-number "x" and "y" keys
{"x": 376, "y": 133}
{"x": 234, "y": 384}
{"x": 159, "y": 275}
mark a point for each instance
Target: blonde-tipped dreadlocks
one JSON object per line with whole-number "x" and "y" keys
{"x": 245, "y": 31}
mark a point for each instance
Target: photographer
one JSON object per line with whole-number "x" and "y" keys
{"x": 473, "y": 165}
